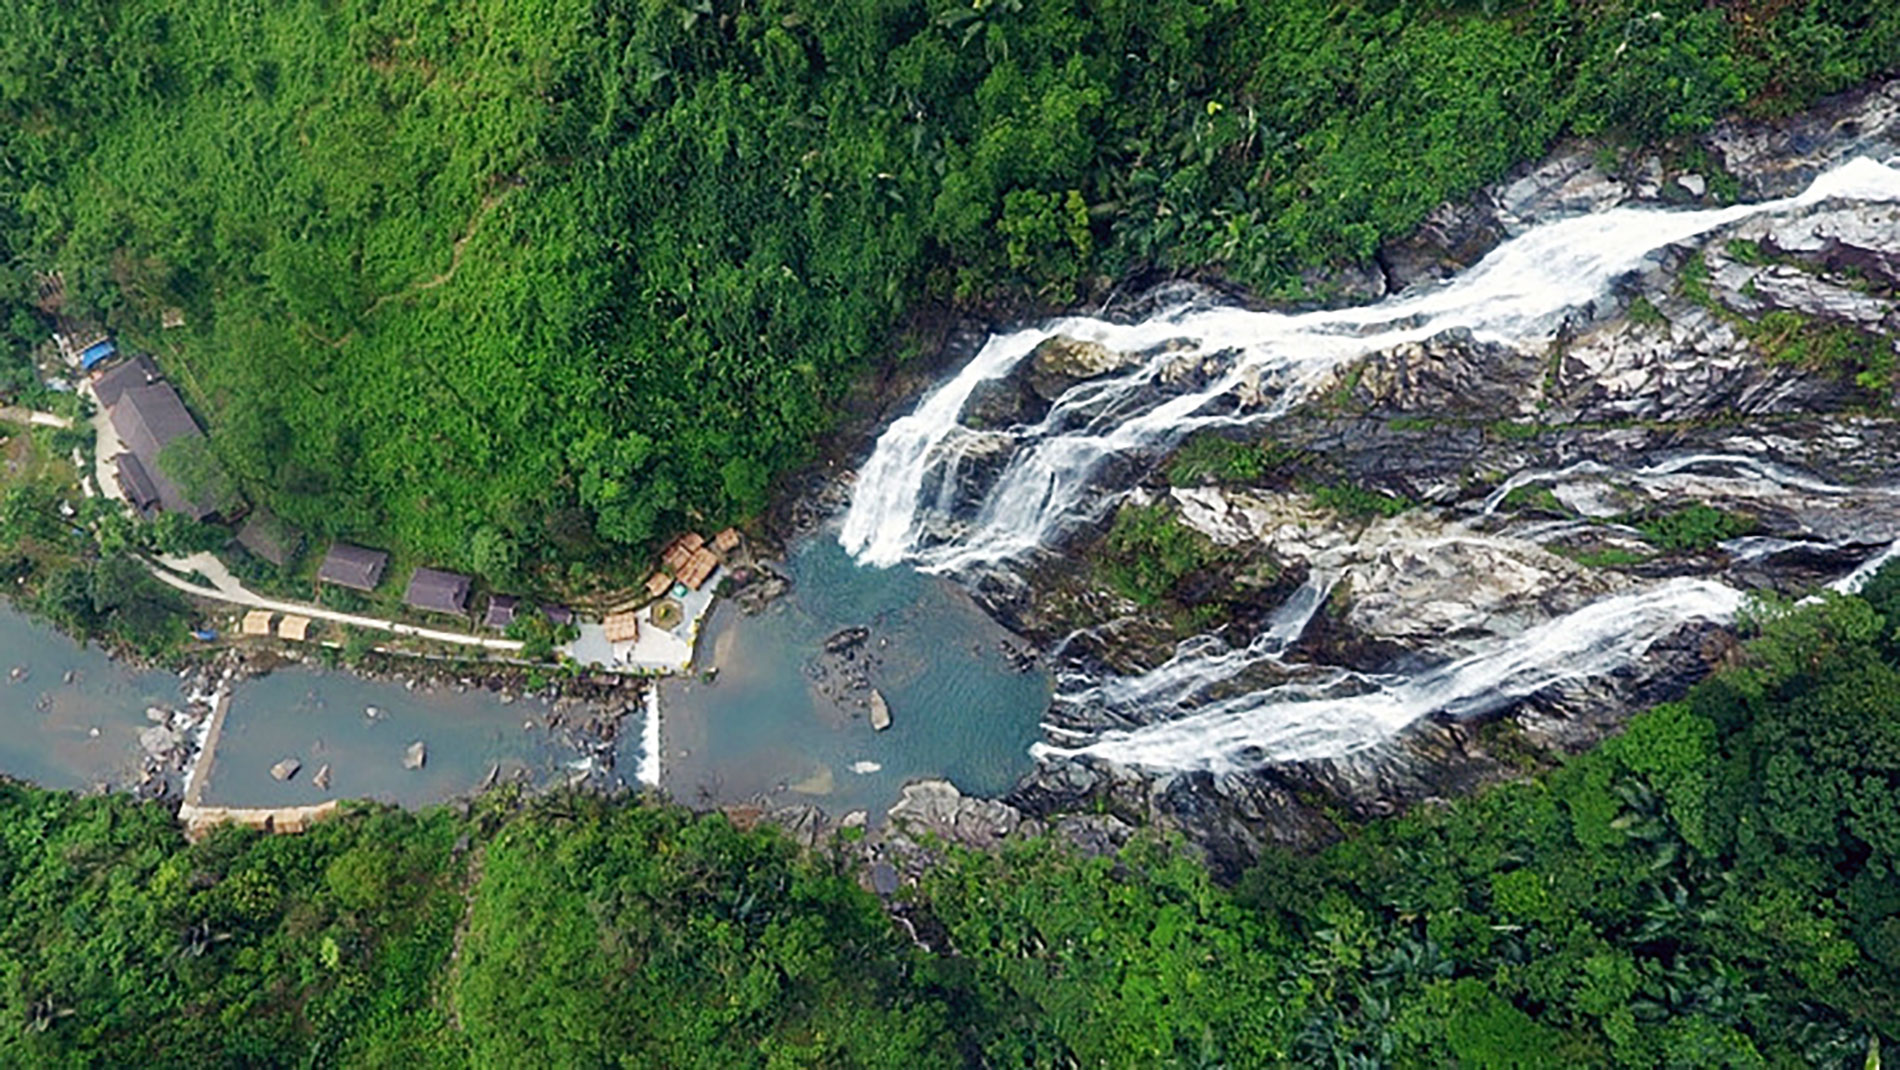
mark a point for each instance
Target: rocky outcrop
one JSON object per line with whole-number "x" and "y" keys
{"x": 1722, "y": 375}
{"x": 1060, "y": 363}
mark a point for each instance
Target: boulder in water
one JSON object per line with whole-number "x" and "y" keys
{"x": 880, "y": 712}
{"x": 416, "y": 756}
{"x": 158, "y": 740}
{"x": 846, "y": 639}
{"x": 322, "y": 779}
{"x": 285, "y": 769}
{"x": 1060, "y": 362}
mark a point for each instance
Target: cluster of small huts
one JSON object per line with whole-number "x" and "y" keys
{"x": 690, "y": 561}
{"x": 685, "y": 565}
{"x": 430, "y": 590}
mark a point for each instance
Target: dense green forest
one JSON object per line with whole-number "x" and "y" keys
{"x": 1714, "y": 888}
{"x": 508, "y": 281}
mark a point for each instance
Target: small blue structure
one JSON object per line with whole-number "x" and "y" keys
{"x": 97, "y": 354}
{"x": 203, "y": 635}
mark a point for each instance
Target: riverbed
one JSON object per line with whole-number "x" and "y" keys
{"x": 78, "y": 734}
{"x": 320, "y": 717}
{"x": 783, "y": 723}
{"x": 82, "y": 732}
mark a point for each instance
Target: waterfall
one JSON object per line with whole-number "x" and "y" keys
{"x": 1275, "y": 725}
{"x": 919, "y": 501}
{"x": 1519, "y": 294}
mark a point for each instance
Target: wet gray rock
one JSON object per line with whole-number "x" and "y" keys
{"x": 1449, "y": 375}
{"x": 1568, "y": 183}
{"x": 1454, "y": 236}
{"x": 1060, "y": 363}
{"x": 884, "y": 881}
{"x": 159, "y": 741}
{"x": 998, "y": 404}
{"x": 936, "y": 806}
{"x": 285, "y": 769}
{"x": 1781, "y": 158}
{"x": 804, "y": 824}
{"x": 416, "y": 756}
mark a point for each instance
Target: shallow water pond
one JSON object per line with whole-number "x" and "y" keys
{"x": 71, "y": 735}
{"x": 320, "y": 718}
{"x": 785, "y": 723}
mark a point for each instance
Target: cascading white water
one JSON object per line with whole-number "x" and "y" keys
{"x": 1273, "y": 724}
{"x": 904, "y": 509}
{"x": 1518, "y": 294}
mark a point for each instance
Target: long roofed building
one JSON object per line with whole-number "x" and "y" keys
{"x": 353, "y": 567}
{"x": 148, "y": 416}
{"x": 438, "y": 591}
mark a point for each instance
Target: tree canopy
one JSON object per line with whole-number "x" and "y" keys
{"x": 576, "y": 271}
{"x": 1714, "y": 887}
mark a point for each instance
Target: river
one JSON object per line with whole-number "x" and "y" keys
{"x": 84, "y": 733}
{"x": 74, "y": 734}
{"x": 778, "y": 726}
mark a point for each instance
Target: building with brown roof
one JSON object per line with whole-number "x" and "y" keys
{"x": 676, "y": 554}
{"x": 353, "y": 567}
{"x": 110, "y": 385}
{"x": 726, "y": 541}
{"x": 294, "y": 628}
{"x": 698, "y": 568}
{"x": 437, "y": 591}
{"x": 623, "y": 627}
{"x": 149, "y": 416}
{"x": 657, "y": 584}
{"x": 257, "y": 622}
{"x": 137, "y": 485}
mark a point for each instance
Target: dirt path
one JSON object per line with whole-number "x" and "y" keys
{"x": 455, "y": 260}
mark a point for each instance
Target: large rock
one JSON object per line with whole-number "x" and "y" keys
{"x": 937, "y": 806}
{"x": 158, "y": 740}
{"x": 1781, "y": 158}
{"x": 1569, "y": 183}
{"x": 415, "y": 756}
{"x": 1453, "y": 237}
{"x": 1449, "y": 375}
{"x": 1059, "y": 363}
{"x": 285, "y": 769}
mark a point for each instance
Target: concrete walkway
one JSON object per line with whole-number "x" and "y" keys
{"x": 16, "y": 415}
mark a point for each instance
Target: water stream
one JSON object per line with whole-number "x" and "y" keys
{"x": 784, "y": 723}
{"x": 911, "y": 503}
{"x": 73, "y": 721}
{"x": 320, "y": 718}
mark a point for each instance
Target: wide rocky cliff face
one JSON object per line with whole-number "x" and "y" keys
{"x": 1727, "y": 415}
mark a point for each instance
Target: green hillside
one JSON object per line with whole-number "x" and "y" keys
{"x": 533, "y": 280}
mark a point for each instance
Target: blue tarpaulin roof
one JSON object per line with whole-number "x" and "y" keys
{"x": 95, "y": 353}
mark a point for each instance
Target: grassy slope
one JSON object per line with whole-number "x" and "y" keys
{"x": 683, "y": 229}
